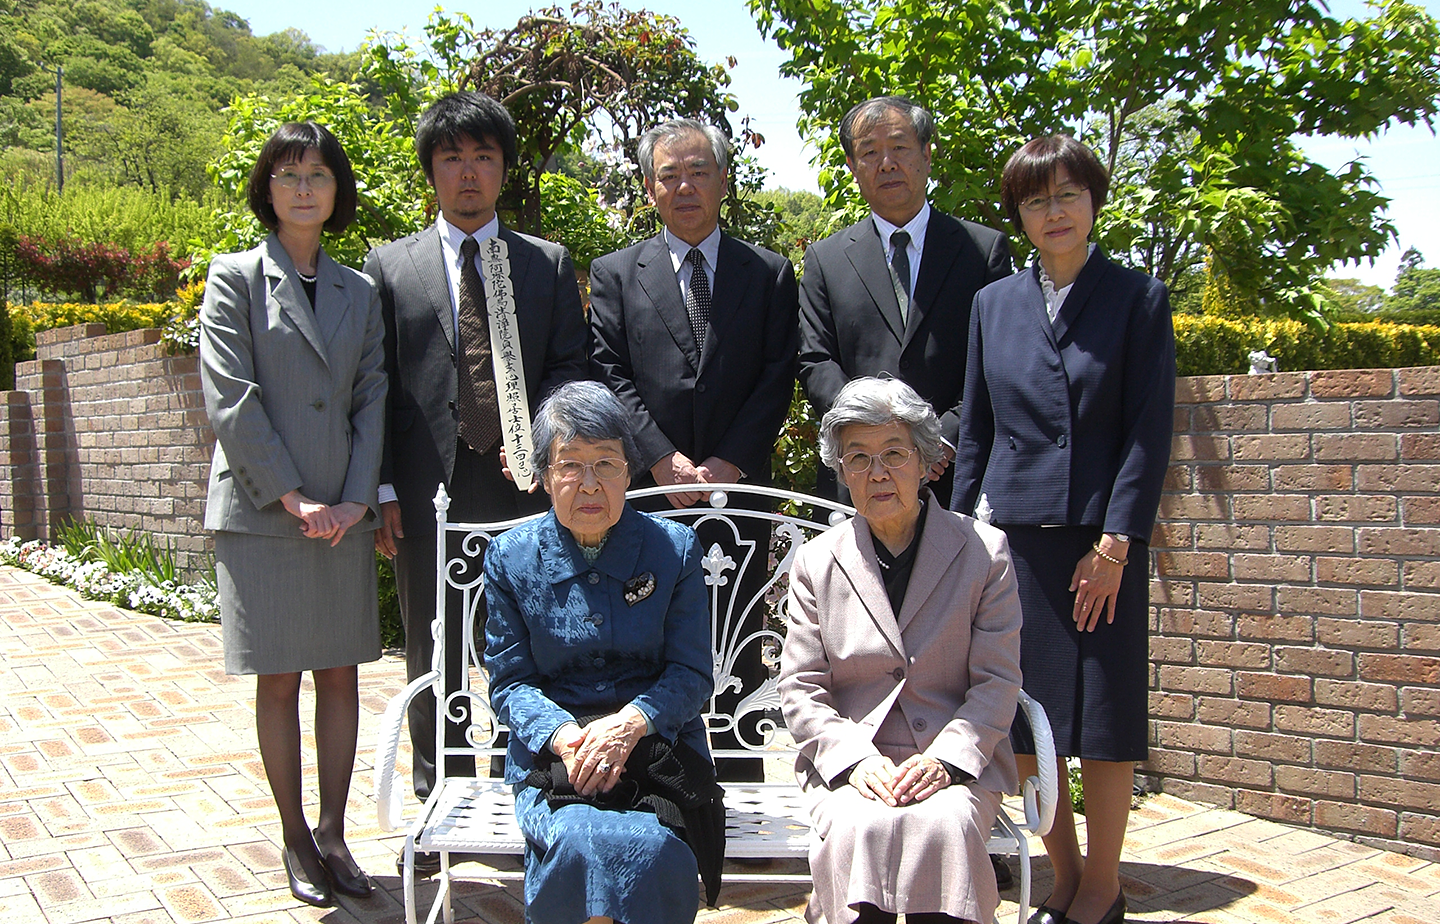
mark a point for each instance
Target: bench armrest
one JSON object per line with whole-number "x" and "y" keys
{"x": 1040, "y": 794}
{"x": 390, "y": 798}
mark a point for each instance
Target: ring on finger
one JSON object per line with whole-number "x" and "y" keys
{"x": 604, "y": 766}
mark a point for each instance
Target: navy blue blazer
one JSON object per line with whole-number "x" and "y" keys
{"x": 561, "y": 640}
{"x": 1069, "y": 423}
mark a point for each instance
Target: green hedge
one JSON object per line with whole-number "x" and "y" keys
{"x": 1206, "y": 345}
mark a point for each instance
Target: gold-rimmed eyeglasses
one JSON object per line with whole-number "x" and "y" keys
{"x": 1064, "y": 198}
{"x": 859, "y": 463}
{"x": 604, "y": 469}
{"x": 316, "y": 179}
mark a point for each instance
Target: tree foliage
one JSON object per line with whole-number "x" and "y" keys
{"x": 1194, "y": 105}
{"x": 593, "y": 77}
{"x": 144, "y": 83}
{"x": 1416, "y": 295}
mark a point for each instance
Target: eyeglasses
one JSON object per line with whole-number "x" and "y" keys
{"x": 604, "y": 469}
{"x": 317, "y": 179}
{"x": 1064, "y": 198}
{"x": 860, "y": 463}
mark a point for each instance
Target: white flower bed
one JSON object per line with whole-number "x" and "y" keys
{"x": 188, "y": 602}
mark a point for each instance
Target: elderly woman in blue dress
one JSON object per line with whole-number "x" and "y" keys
{"x": 598, "y": 639}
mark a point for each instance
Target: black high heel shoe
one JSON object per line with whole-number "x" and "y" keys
{"x": 356, "y": 886}
{"x": 1116, "y": 914}
{"x": 317, "y": 894}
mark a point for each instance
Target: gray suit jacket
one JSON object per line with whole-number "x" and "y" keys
{"x": 948, "y": 662}
{"x": 296, "y": 397}
{"x": 420, "y": 351}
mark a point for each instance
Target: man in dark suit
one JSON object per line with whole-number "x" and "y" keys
{"x": 891, "y": 294}
{"x": 696, "y": 333}
{"x": 444, "y": 411}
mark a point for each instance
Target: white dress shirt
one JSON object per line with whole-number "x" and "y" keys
{"x": 680, "y": 251}
{"x": 915, "y": 227}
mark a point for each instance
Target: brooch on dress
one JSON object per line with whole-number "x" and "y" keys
{"x": 638, "y": 588}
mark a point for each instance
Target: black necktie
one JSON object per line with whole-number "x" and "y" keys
{"x": 900, "y": 241}
{"x": 475, "y": 400}
{"x": 697, "y": 303}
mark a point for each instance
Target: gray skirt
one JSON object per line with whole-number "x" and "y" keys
{"x": 289, "y": 605}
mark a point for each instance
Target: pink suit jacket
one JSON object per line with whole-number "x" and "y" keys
{"x": 948, "y": 665}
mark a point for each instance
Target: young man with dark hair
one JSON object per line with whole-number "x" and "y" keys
{"x": 447, "y": 406}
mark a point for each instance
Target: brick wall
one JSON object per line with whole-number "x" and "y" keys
{"x": 108, "y": 428}
{"x": 1296, "y": 624}
{"x": 1295, "y": 641}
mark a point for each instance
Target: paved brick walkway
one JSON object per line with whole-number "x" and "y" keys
{"x": 130, "y": 791}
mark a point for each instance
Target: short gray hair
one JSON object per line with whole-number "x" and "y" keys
{"x": 874, "y": 402}
{"x": 674, "y": 130}
{"x": 584, "y": 411}
{"x": 862, "y": 115}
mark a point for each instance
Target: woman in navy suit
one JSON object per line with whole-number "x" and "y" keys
{"x": 598, "y": 636}
{"x": 1065, "y": 430}
{"x": 292, "y": 360}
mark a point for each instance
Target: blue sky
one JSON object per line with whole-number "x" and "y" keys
{"x": 1403, "y": 159}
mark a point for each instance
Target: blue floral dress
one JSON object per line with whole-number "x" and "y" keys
{"x": 565, "y": 638}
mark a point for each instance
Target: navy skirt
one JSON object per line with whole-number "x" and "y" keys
{"x": 1094, "y": 685}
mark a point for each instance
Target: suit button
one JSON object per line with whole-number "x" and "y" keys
{"x": 319, "y": 405}
{"x": 593, "y": 578}
{"x": 919, "y": 724}
{"x": 700, "y": 388}
{"x": 599, "y": 662}
{"x": 1061, "y": 441}
{"x": 596, "y": 620}
{"x": 904, "y": 364}
{"x": 599, "y": 687}
{"x": 898, "y": 673}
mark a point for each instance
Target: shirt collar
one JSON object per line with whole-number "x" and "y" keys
{"x": 452, "y": 237}
{"x": 679, "y": 250}
{"x": 915, "y": 227}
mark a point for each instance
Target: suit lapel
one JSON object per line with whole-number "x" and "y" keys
{"x": 944, "y": 238}
{"x": 940, "y": 544}
{"x": 732, "y": 278}
{"x": 428, "y": 259}
{"x": 1034, "y": 298}
{"x": 331, "y": 304}
{"x": 657, "y": 278}
{"x": 294, "y": 304}
{"x": 1085, "y": 283}
{"x": 863, "y": 571}
{"x": 867, "y": 256}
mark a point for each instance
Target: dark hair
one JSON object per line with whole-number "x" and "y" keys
{"x": 862, "y": 115}
{"x": 1032, "y": 168}
{"x": 289, "y": 143}
{"x": 462, "y": 114}
{"x": 582, "y": 410}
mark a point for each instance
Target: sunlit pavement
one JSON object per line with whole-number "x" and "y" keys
{"x": 131, "y": 791}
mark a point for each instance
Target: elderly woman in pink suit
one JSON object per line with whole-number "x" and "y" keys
{"x": 899, "y": 677}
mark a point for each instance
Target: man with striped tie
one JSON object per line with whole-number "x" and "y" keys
{"x": 696, "y": 332}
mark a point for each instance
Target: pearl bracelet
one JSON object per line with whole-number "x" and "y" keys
{"x": 1110, "y": 558}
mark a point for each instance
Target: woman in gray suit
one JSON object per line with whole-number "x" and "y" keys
{"x": 292, "y": 361}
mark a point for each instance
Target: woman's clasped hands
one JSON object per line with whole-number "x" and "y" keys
{"x": 595, "y": 755}
{"x": 322, "y": 521}
{"x": 915, "y": 779}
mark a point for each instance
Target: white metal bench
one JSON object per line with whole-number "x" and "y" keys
{"x": 474, "y": 815}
